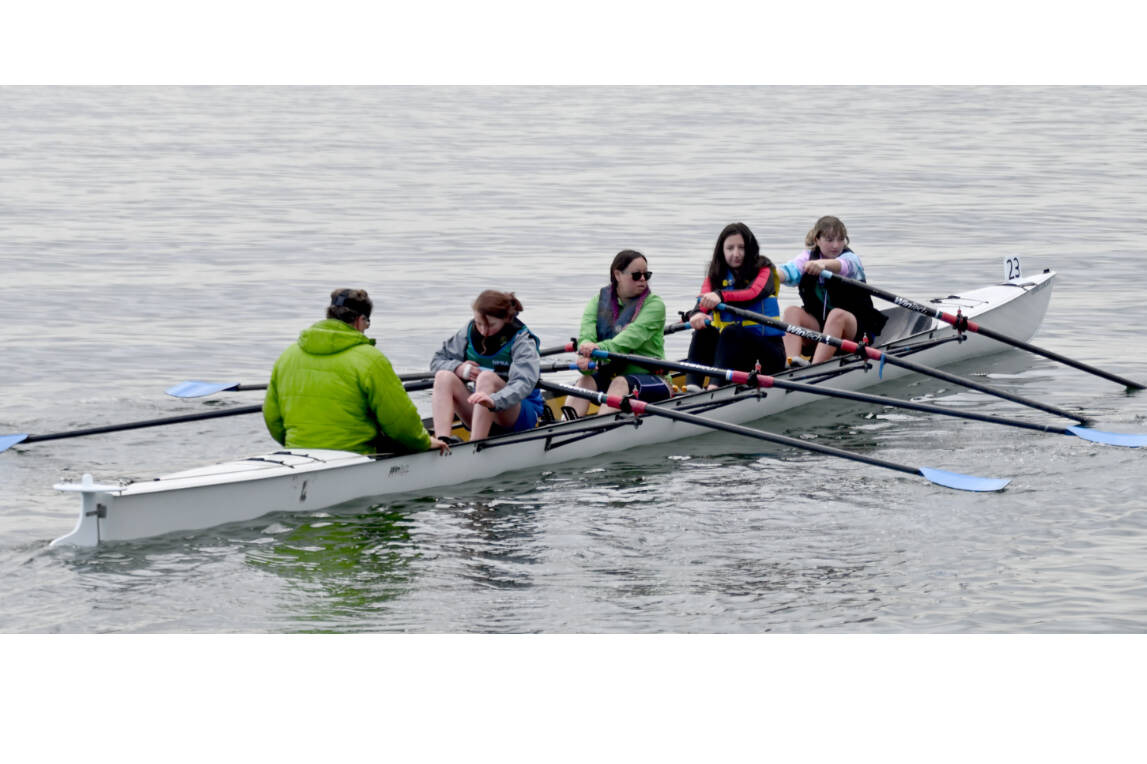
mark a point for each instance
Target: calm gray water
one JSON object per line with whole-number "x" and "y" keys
{"x": 155, "y": 235}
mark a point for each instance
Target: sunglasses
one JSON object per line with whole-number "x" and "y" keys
{"x": 639, "y": 275}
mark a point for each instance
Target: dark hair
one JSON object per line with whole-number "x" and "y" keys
{"x": 348, "y": 304}
{"x": 751, "y": 266}
{"x": 621, "y": 261}
{"x": 503, "y": 305}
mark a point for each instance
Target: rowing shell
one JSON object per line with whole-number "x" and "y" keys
{"x": 312, "y": 479}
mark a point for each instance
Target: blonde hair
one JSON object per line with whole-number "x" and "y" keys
{"x": 826, "y": 225}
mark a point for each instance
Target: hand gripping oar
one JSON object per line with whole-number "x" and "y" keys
{"x": 7, "y": 441}
{"x": 421, "y": 381}
{"x": 962, "y": 323}
{"x": 571, "y": 346}
{"x": 633, "y": 405}
{"x": 1131, "y": 440}
{"x": 849, "y": 346}
{"x": 680, "y": 326}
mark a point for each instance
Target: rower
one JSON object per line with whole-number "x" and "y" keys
{"x": 829, "y": 307}
{"x": 738, "y": 275}
{"x": 493, "y": 344}
{"x": 624, "y": 317}
{"x": 333, "y": 389}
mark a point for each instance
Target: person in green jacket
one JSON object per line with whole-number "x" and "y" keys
{"x": 334, "y": 389}
{"x": 624, "y": 317}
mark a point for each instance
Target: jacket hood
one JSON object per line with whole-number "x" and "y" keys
{"x": 331, "y": 336}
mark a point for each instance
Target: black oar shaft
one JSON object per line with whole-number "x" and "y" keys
{"x": 147, "y": 423}
{"x": 638, "y": 407}
{"x": 764, "y": 380}
{"x": 973, "y": 385}
{"x": 572, "y": 346}
{"x": 785, "y": 440}
{"x": 874, "y": 354}
{"x": 972, "y": 326}
{"x": 199, "y": 416}
{"x": 554, "y": 349}
{"x": 601, "y": 398}
{"x": 991, "y": 333}
{"x": 410, "y": 383}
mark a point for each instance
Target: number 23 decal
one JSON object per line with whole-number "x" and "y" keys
{"x": 1011, "y": 268}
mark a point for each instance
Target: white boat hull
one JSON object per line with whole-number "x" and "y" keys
{"x": 309, "y": 480}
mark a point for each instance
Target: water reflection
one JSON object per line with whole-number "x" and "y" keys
{"x": 346, "y": 570}
{"x": 494, "y": 539}
{"x": 338, "y": 566}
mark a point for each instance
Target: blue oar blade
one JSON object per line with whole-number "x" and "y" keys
{"x": 196, "y": 389}
{"x": 7, "y": 441}
{"x": 1129, "y": 439}
{"x": 964, "y": 482}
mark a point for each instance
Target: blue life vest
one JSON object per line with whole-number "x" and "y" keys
{"x": 764, "y": 303}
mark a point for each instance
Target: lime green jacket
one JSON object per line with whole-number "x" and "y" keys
{"x": 334, "y": 389}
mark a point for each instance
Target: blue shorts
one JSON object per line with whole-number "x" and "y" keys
{"x": 647, "y": 387}
{"x": 531, "y": 409}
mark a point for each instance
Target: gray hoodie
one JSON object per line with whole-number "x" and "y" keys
{"x": 525, "y": 366}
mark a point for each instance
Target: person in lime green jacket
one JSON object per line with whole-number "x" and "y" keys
{"x": 334, "y": 389}
{"x": 624, "y": 317}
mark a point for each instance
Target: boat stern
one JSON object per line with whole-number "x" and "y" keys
{"x": 96, "y": 500}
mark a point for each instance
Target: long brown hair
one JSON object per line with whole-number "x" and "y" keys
{"x": 503, "y": 305}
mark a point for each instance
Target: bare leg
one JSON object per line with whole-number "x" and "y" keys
{"x": 840, "y": 323}
{"x": 581, "y": 405}
{"x": 619, "y": 386}
{"x": 489, "y": 382}
{"x": 796, "y": 346}
{"x": 449, "y": 396}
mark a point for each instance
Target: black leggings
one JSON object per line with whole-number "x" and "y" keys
{"x": 735, "y": 347}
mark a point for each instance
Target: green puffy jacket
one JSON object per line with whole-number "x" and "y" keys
{"x": 334, "y": 389}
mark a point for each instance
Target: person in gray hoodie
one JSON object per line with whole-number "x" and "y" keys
{"x": 498, "y": 354}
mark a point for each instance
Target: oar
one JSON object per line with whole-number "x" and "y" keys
{"x": 571, "y": 346}
{"x": 7, "y": 441}
{"x": 422, "y": 381}
{"x": 197, "y": 388}
{"x": 961, "y": 322}
{"x": 878, "y": 355}
{"x": 1130, "y": 440}
{"x": 194, "y": 388}
{"x": 639, "y": 407}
